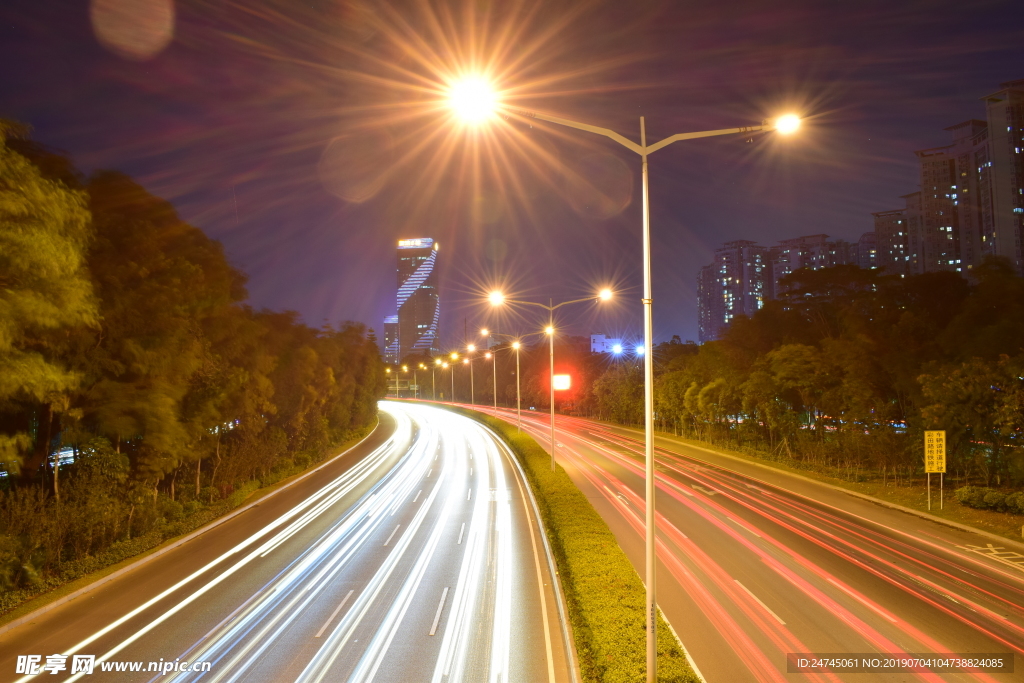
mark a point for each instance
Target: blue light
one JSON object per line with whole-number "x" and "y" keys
{"x": 640, "y": 350}
{"x": 617, "y": 349}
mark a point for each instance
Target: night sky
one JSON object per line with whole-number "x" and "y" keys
{"x": 308, "y": 137}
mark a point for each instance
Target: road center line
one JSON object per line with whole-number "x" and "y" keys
{"x": 861, "y": 600}
{"x": 759, "y": 602}
{"x": 460, "y": 533}
{"x": 334, "y": 614}
{"x": 392, "y": 535}
{"x": 417, "y": 495}
{"x": 437, "y": 616}
{"x": 469, "y": 495}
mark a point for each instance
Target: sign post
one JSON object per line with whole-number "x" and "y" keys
{"x": 935, "y": 459}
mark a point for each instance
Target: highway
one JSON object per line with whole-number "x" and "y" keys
{"x": 755, "y": 563}
{"x": 416, "y": 556}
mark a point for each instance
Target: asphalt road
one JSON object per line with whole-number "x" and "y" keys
{"x": 414, "y": 557}
{"x": 756, "y": 563}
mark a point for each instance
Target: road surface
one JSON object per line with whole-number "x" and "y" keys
{"x": 755, "y": 563}
{"x": 414, "y": 557}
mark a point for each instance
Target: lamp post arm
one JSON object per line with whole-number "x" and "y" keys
{"x": 704, "y": 134}
{"x": 625, "y": 142}
{"x": 551, "y": 308}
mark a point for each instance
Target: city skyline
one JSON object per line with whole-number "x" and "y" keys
{"x": 874, "y": 90}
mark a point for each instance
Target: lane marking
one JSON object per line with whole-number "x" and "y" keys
{"x": 460, "y": 533}
{"x": 743, "y": 526}
{"x": 758, "y": 600}
{"x": 437, "y": 617}
{"x": 430, "y": 472}
{"x": 333, "y": 614}
{"x": 861, "y": 600}
{"x": 417, "y": 495}
{"x": 392, "y": 535}
{"x": 540, "y": 582}
{"x": 471, "y": 471}
{"x": 469, "y": 495}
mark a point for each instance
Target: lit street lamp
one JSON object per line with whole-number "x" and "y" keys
{"x": 498, "y": 299}
{"x": 469, "y": 361}
{"x": 475, "y": 101}
{"x": 519, "y": 408}
{"x": 433, "y": 383}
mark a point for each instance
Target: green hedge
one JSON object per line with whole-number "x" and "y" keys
{"x": 984, "y": 498}
{"x": 604, "y": 595}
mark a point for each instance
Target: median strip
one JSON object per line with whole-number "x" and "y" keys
{"x": 603, "y": 593}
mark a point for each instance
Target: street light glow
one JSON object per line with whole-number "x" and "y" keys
{"x": 790, "y": 123}
{"x": 465, "y": 361}
{"x": 487, "y": 355}
{"x": 473, "y": 99}
{"x": 515, "y": 345}
{"x": 549, "y": 330}
{"x": 471, "y": 347}
{"x": 605, "y": 294}
{"x": 617, "y": 349}
{"x": 484, "y": 332}
{"x": 640, "y": 350}
{"x": 496, "y": 298}
{"x": 454, "y": 356}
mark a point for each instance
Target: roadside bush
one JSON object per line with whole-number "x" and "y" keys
{"x": 982, "y": 498}
{"x": 604, "y": 595}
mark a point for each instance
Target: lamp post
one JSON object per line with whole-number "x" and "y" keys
{"x": 469, "y": 361}
{"x": 494, "y": 367}
{"x": 497, "y": 299}
{"x": 519, "y": 409}
{"x": 387, "y": 371}
{"x": 494, "y": 376}
{"x": 416, "y": 381}
{"x": 454, "y": 356}
{"x": 481, "y": 106}
{"x": 433, "y": 382}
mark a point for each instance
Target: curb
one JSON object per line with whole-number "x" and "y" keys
{"x": 10, "y": 626}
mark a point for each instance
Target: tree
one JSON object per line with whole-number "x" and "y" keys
{"x": 44, "y": 288}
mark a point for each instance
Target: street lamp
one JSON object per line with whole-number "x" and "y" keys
{"x": 416, "y": 381}
{"x": 494, "y": 367}
{"x": 387, "y": 371}
{"x": 433, "y": 382}
{"x": 484, "y": 98}
{"x": 469, "y": 361}
{"x": 497, "y": 299}
{"x": 519, "y": 410}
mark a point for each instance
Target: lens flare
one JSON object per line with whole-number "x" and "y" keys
{"x": 788, "y": 124}
{"x": 473, "y": 99}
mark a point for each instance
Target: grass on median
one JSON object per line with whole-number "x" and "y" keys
{"x": 604, "y": 595}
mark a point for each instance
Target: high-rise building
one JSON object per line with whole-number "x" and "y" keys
{"x": 865, "y": 254}
{"x": 892, "y": 241}
{"x": 734, "y": 285}
{"x": 709, "y": 304}
{"x": 414, "y": 328}
{"x": 971, "y": 202}
{"x": 391, "y": 340}
{"x": 1003, "y": 173}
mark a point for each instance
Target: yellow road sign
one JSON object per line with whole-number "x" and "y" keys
{"x": 935, "y": 450}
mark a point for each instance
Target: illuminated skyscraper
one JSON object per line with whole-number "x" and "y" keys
{"x": 414, "y": 329}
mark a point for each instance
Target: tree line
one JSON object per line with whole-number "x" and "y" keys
{"x": 848, "y": 369}
{"x": 137, "y": 388}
